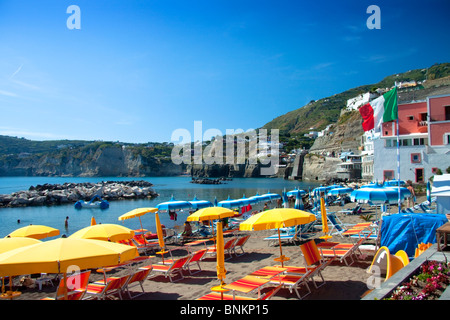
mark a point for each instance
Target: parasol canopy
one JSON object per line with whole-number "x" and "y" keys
{"x": 35, "y": 231}
{"x": 56, "y": 256}
{"x": 105, "y": 232}
{"x": 276, "y": 219}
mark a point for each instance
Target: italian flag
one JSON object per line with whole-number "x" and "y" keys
{"x": 382, "y": 109}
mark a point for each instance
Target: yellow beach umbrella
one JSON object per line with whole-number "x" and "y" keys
{"x": 323, "y": 211}
{"x": 220, "y": 266}
{"x": 211, "y": 213}
{"x": 7, "y": 244}
{"x": 276, "y": 219}
{"x": 35, "y": 231}
{"x": 159, "y": 232}
{"x": 106, "y": 232}
{"x": 55, "y": 256}
{"x": 137, "y": 213}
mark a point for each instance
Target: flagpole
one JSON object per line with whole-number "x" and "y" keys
{"x": 398, "y": 161}
{"x": 398, "y": 167}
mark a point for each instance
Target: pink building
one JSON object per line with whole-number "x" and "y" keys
{"x": 424, "y": 135}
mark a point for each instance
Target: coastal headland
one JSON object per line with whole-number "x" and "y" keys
{"x": 56, "y": 194}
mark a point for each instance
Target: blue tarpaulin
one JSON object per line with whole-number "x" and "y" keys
{"x": 406, "y": 231}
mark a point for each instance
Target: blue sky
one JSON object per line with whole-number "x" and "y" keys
{"x": 138, "y": 70}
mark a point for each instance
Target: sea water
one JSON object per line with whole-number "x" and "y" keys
{"x": 179, "y": 188}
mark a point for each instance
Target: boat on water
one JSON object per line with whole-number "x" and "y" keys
{"x": 96, "y": 203}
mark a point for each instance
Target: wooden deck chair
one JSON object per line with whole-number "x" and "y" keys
{"x": 170, "y": 270}
{"x": 76, "y": 287}
{"x": 138, "y": 278}
{"x": 240, "y": 244}
{"x": 228, "y": 247}
{"x": 102, "y": 290}
{"x": 195, "y": 257}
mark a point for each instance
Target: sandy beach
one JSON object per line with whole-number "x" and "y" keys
{"x": 342, "y": 282}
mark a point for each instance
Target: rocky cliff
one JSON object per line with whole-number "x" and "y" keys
{"x": 319, "y": 168}
{"x": 114, "y": 161}
{"x": 345, "y": 135}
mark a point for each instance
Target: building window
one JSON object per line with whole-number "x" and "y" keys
{"x": 415, "y": 158}
{"x": 418, "y": 141}
{"x": 388, "y": 174}
{"x": 447, "y": 138}
{"x": 410, "y": 117}
{"x": 419, "y": 175}
{"x": 406, "y": 142}
{"x": 447, "y": 112}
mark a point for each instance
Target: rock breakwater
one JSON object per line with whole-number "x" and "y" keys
{"x": 57, "y": 194}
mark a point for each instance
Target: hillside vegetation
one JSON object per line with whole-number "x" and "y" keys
{"x": 318, "y": 114}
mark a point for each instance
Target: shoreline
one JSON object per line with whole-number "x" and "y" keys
{"x": 342, "y": 282}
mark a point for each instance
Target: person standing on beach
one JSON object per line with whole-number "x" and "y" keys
{"x": 411, "y": 199}
{"x": 66, "y": 223}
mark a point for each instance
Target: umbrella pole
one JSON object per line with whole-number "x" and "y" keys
{"x": 65, "y": 285}
{"x": 281, "y": 248}
{"x": 145, "y": 240}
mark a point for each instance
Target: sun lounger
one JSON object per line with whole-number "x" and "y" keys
{"x": 342, "y": 251}
{"x": 104, "y": 289}
{"x": 145, "y": 245}
{"x": 240, "y": 242}
{"x": 136, "y": 279}
{"x": 293, "y": 282}
{"x": 176, "y": 267}
{"x": 315, "y": 262}
{"x": 337, "y": 227}
{"x": 217, "y": 296}
{"x": 195, "y": 257}
{"x": 76, "y": 287}
{"x": 228, "y": 248}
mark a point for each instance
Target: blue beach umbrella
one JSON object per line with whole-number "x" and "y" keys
{"x": 230, "y": 203}
{"x": 257, "y": 198}
{"x": 296, "y": 193}
{"x": 375, "y": 195}
{"x": 394, "y": 183}
{"x": 174, "y": 205}
{"x": 200, "y": 204}
{"x": 339, "y": 191}
{"x": 271, "y": 196}
{"x": 404, "y": 192}
{"x": 247, "y": 201}
{"x": 299, "y": 203}
{"x": 285, "y": 200}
